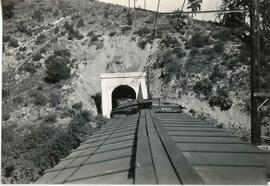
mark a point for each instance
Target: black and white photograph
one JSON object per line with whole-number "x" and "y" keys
{"x": 169, "y": 92}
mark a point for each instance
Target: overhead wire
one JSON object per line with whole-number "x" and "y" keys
{"x": 152, "y": 44}
{"x": 148, "y": 62}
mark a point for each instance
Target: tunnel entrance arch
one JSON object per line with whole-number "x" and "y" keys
{"x": 122, "y": 92}
{"x": 120, "y": 85}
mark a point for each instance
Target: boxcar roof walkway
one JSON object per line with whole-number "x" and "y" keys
{"x": 161, "y": 148}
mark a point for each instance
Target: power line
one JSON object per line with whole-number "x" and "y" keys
{"x": 150, "y": 51}
{"x": 198, "y": 12}
{"x": 147, "y": 64}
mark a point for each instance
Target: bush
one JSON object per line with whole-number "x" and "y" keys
{"x": 105, "y": 15}
{"x": 223, "y": 35}
{"x": 50, "y": 118}
{"x": 129, "y": 18}
{"x": 46, "y": 145}
{"x": 5, "y": 93}
{"x": 40, "y": 98}
{"x": 77, "y": 106}
{"x": 18, "y": 100}
{"x": 22, "y": 27}
{"x": 125, "y": 28}
{"x": 113, "y": 33}
{"x": 194, "y": 53}
{"x": 62, "y": 53}
{"x": 219, "y": 47}
{"x": 207, "y": 51}
{"x": 6, "y": 38}
{"x": 143, "y": 31}
{"x": 5, "y": 116}
{"x": 56, "y": 69}
{"x": 217, "y": 74}
{"x": 142, "y": 43}
{"x": 40, "y": 39}
{"x": 13, "y": 42}
{"x": 55, "y": 99}
{"x": 71, "y": 32}
{"x": 80, "y": 23}
{"x": 29, "y": 67}
{"x": 198, "y": 39}
{"x": 37, "y": 15}
{"x": 8, "y": 9}
{"x": 180, "y": 52}
{"x": 224, "y": 103}
{"x": 169, "y": 41}
{"x": 80, "y": 125}
{"x": 203, "y": 87}
{"x": 37, "y": 57}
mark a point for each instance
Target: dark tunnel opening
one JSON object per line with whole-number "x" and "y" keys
{"x": 120, "y": 93}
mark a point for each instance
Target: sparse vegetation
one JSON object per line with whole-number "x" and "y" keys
{"x": 13, "y": 42}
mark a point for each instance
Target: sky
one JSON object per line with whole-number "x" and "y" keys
{"x": 170, "y": 5}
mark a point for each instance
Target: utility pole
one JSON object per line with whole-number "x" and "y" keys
{"x": 254, "y": 72}
{"x": 134, "y": 12}
{"x": 128, "y": 4}
{"x": 144, "y": 5}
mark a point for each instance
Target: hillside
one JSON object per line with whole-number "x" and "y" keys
{"x": 55, "y": 50}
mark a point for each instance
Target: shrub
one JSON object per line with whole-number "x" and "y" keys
{"x": 37, "y": 56}
{"x": 50, "y": 118}
{"x": 223, "y": 35}
{"x": 80, "y": 23}
{"x": 198, "y": 39}
{"x": 194, "y": 53}
{"x": 5, "y": 93}
{"x": 29, "y": 67}
{"x": 149, "y": 19}
{"x": 80, "y": 127}
{"x": 22, "y": 49}
{"x": 125, "y": 28}
{"x": 56, "y": 69}
{"x": 8, "y": 9}
{"x": 169, "y": 41}
{"x": 55, "y": 99}
{"x": 207, "y": 51}
{"x": 40, "y": 98}
{"x": 22, "y": 27}
{"x": 47, "y": 145}
{"x": 6, "y": 38}
{"x": 129, "y": 18}
{"x": 217, "y": 74}
{"x": 113, "y": 33}
{"x": 203, "y": 87}
{"x": 17, "y": 100}
{"x": 180, "y": 52}
{"x": 13, "y": 42}
{"x": 219, "y": 47}
{"x": 5, "y": 116}
{"x": 105, "y": 15}
{"x": 37, "y": 15}
{"x": 142, "y": 43}
{"x": 143, "y": 31}
{"x": 87, "y": 115}
{"x": 77, "y": 106}
{"x": 224, "y": 103}
{"x": 40, "y": 39}
{"x": 62, "y": 53}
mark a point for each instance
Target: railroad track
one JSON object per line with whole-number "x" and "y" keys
{"x": 161, "y": 148}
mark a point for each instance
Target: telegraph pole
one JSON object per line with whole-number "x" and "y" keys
{"x": 144, "y": 5}
{"x": 128, "y": 4}
{"x": 134, "y": 12}
{"x": 254, "y": 72}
